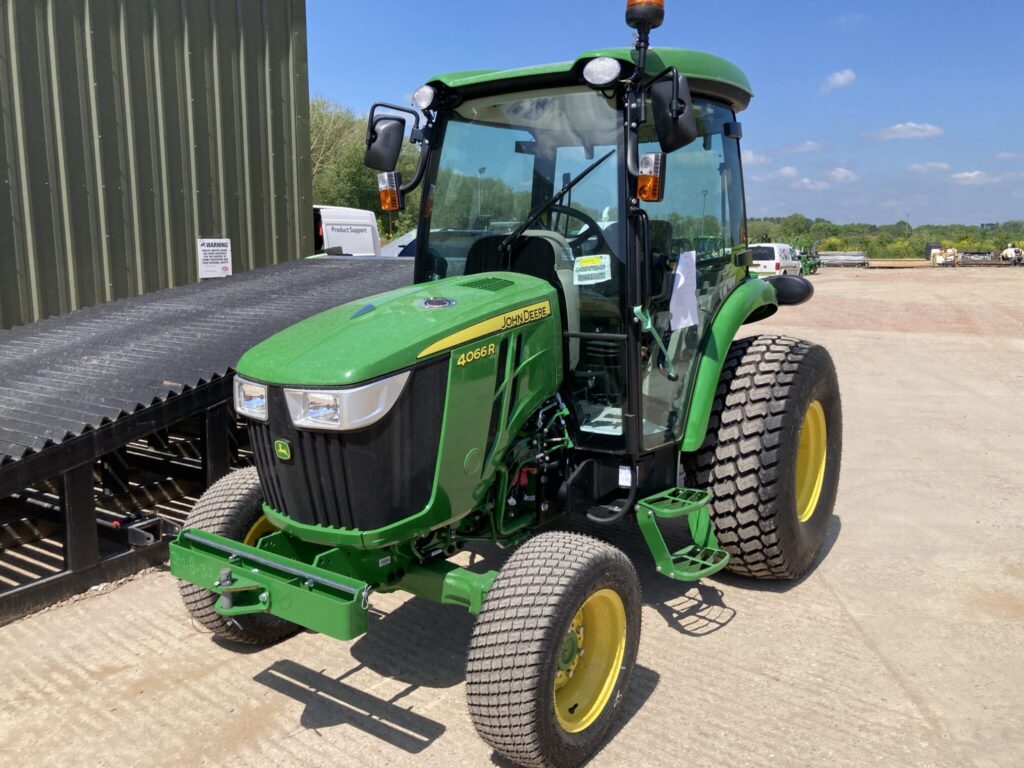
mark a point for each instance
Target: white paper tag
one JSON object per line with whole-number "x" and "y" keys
{"x": 214, "y": 257}
{"x": 588, "y": 270}
{"x": 683, "y": 305}
{"x": 625, "y": 476}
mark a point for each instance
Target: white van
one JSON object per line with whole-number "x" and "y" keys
{"x": 774, "y": 259}
{"x": 345, "y": 231}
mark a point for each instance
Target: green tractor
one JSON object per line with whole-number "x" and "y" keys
{"x": 567, "y": 353}
{"x": 810, "y": 262}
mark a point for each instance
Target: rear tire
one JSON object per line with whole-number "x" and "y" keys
{"x": 232, "y": 507}
{"x": 773, "y": 482}
{"x": 534, "y": 695}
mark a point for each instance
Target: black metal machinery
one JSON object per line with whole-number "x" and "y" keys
{"x": 114, "y": 417}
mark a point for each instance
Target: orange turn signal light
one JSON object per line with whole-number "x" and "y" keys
{"x": 650, "y": 185}
{"x": 389, "y": 185}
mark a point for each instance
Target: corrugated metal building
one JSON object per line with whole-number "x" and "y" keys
{"x": 130, "y": 128}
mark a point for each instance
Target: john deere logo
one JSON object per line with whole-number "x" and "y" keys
{"x": 283, "y": 450}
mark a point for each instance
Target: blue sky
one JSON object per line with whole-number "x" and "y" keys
{"x": 863, "y": 111}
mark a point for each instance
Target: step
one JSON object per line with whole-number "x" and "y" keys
{"x": 695, "y": 561}
{"x": 676, "y": 502}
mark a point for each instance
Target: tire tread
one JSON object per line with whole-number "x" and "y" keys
{"x": 506, "y": 661}
{"x": 738, "y": 461}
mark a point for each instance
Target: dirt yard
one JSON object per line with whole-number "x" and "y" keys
{"x": 904, "y": 646}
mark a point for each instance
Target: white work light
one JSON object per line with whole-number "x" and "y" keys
{"x": 602, "y": 70}
{"x": 423, "y": 97}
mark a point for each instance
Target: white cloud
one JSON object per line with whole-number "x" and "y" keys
{"x": 837, "y": 80}
{"x": 1007, "y": 155}
{"x": 808, "y": 146}
{"x": 802, "y": 149}
{"x": 810, "y": 185}
{"x": 974, "y": 178}
{"x": 927, "y": 167}
{"x": 785, "y": 172}
{"x": 909, "y": 131}
{"x": 752, "y": 158}
{"x": 842, "y": 175}
{"x": 851, "y": 19}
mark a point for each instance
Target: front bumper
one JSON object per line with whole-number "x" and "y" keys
{"x": 251, "y": 580}
{"x": 273, "y": 578}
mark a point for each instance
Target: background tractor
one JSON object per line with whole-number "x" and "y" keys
{"x": 567, "y": 352}
{"x": 810, "y": 262}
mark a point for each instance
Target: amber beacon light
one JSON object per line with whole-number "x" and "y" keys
{"x": 645, "y": 15}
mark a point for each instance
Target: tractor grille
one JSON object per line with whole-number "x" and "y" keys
{"x": 360, "y": 480}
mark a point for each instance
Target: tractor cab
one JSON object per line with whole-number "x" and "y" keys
{"x": 617, "y": 179}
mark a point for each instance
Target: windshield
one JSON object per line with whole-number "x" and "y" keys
{"x": 502, "y": 157}
{"x": 762, "y": 253}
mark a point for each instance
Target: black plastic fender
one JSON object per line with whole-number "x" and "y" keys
{"x": 790, "y": 289}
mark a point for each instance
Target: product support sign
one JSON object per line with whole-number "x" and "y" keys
{"x": 214, "y": 256}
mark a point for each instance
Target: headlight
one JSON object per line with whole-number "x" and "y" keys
{"x": 250, "y": 399}
{"x": 319, "y": 409}
{"x": 345, "y": 409}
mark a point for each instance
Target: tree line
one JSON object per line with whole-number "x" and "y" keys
{"x": 883, "y": 241}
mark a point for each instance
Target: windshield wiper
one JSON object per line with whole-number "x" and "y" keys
{"x": 506, "y": 244}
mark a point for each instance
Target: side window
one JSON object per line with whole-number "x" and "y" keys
{"x": 697, "y": 228}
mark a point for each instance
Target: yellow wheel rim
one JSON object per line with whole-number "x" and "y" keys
{"x": 810, "y": 461}
{"x": 590, "y": 660}
{"x": 258, "y": 530}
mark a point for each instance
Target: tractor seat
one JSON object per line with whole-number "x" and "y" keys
{"x": 540, "y": 253}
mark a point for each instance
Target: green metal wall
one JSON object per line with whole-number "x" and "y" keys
{"x": 130, "y": 128}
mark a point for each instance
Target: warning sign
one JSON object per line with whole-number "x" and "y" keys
{"x": 214, "y": 257}
{"x": 588, "y": 270}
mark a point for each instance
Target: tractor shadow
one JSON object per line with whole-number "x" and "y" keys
{"x": 331, "y": 702}
{"x": 424, "y": 645}
{"x": 418, "y": 644}
{"x": 694, "y": 609}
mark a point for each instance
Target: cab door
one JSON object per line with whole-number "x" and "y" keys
{"x": 695, "y": 232}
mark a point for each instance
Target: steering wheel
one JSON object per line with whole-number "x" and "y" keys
{"x": 591, "y": 228}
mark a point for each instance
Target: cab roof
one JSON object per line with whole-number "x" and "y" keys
{"x": 709, "y": 75}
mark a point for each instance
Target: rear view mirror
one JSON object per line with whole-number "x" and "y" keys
{"x": 384, "y": 142}
{"x": 674, "y": 118}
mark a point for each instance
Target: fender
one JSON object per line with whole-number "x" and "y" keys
{"x": 753, "y": 300}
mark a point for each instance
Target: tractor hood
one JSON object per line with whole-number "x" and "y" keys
{"x": 380, "y": 334}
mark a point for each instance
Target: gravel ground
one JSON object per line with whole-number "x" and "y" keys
{"x": 903, "y": 646}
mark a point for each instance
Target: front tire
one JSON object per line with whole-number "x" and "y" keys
{"x": 554, "y": 649}
{"x": 233, "y": 507}
{"x": 772, "y": 455}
